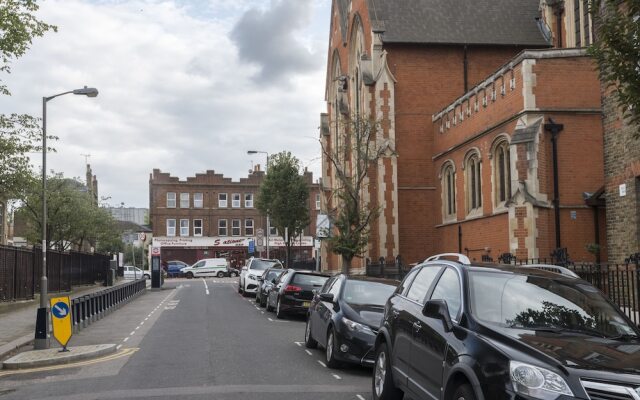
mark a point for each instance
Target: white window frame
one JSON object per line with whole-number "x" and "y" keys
{"x": 198, "y": 200}
{"x": 184, "y": 227}
{"x": 501, "y": 183}
{"x": 449, "y": 206}
{"x": 184, "y": 200}
{"x": 222, "y": 203}
{"x": 236, "y": 227}
{"x": 473, "y": 184}
{"x": 197, "y": 230}
{"x": 171, "y": 199}
{"x": 171, "y": 227}
{"x": 221, "y": 227}
{"x": 273, "y": 231}
{"x": 249, "y": 227}
{"x": 248, "y": 200}
{"x": 317, "y": 201}
{"x": 236, "y": 200}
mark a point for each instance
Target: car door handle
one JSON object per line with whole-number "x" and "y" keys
{"x": 417, "y": 326}
{"x": 395, "y": 313}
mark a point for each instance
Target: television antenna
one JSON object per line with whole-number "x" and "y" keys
{"x": 86, "y": 158}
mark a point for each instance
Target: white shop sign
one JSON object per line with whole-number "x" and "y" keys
{"x": 222, "y": 241}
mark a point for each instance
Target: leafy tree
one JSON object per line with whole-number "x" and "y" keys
{"x": 361, "y": 147}
{"x": 19, "y": 134}
{"x": 72, "y": 216}
{"x": 284, "y": 197}
{"x": 617, "y": 51}
{"x": 18, "y": 26}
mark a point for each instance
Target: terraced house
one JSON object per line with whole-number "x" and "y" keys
{"x": 493, "y": 112}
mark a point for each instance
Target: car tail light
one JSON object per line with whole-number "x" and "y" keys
{"x": 291, "y": 288}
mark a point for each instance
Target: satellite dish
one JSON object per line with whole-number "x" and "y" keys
{"x": 545, "y": 30}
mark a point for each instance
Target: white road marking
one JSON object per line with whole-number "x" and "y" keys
{"x": 336, "y": 376}
{"x": 359, "y": 396}
{"x": 141, "y": 323}
{"x": 323, "y": 364}
{"x": 298, "y": 343}
{"x": 270, "y": 320}
{"x": 308, "y": 352}
{"x": 132, "y": 333}
{"x": 262, "y": 312}
{"x": 146, "y": 318}
{"x": 118, "y": 347}
{"x": 125, "y": 339}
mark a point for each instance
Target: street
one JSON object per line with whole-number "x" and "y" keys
{"x": 198, "y": 339}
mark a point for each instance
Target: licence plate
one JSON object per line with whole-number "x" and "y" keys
{"x": 306, "y": 304}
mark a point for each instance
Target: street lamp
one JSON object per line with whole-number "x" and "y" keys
{"x": 42, "y": 320}
{"x": 265, "y": 170}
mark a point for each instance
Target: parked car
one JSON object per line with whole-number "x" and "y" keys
{"x": 344, "y": 318}
{"x": 466, "y": 331}
{"x": 248, "y": 282}
{"x": 131, "y": 272}
{"x": 293, "y": 292}
{"x": 232, "y": 272}
{"x": 174, "y": 268}
{"x": 265, "y": 282}
{"x": 207, "y": 267}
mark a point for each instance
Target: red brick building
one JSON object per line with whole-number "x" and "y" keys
{"x": 456, "y": 92}
{"x": 209, "y": 216}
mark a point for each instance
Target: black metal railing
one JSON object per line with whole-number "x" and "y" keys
{"x": 94, "y": 306}
{"x": 20, "y": 271}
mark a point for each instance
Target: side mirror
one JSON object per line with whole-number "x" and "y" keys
{"x": 438, "y": 309}
{"x": 326, "y": 297}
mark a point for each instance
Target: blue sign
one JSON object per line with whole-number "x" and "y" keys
{"x": 252, "y": 247}
{"x": 60, "y": 310}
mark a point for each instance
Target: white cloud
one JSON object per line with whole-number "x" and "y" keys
{"x": 174, "y": 94}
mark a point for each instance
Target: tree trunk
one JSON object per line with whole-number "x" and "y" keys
{"x": 346, "y": 264}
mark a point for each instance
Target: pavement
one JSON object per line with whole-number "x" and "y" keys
{"x": 197, "y": 339}
{"x": 18, "y": 319}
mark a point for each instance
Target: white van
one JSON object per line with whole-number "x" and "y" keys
{"x": 207, "y": 267}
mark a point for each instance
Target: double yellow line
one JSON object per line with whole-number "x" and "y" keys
{"x": 119, "y": 354}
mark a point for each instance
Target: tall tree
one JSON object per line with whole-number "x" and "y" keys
{"x": 73, "y": 219}
{"x": 617, "y": 51}
{"x": 19, "y": 134}
{"x": 284, "y": 197}
{"x": 359, "y": 146}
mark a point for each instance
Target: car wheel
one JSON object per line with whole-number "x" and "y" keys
{"x": 330, "y": 350}
{"x": 244, "y": 292}
{"x": 258, "y": 296}
{"x": 279, "y": 311}
{"x": 382, "y": 382}
{"x": 189, "y": 275}
{"x": 263, "y": 302}
{"x": 239, "y": 288}
{"x": 464, "y": 392}
{"x": 220, "y": 274}
{"x": 309, "y": 342}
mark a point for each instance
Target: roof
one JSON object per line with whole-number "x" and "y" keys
{"x": 124, "y": 226}
{"x": 482, "y": 22}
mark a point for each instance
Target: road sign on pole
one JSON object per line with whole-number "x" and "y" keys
{"x": 61, "y": 320}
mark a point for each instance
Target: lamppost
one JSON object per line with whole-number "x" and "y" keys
{"x": 42, "y": 320}
{"x": 265, "y": 170}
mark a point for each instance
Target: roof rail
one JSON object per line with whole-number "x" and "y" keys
{"x": 552, "y": 268}
{"x": 461, "y": 258}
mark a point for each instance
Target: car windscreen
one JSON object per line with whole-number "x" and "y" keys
{"x": 272, "y": 274}
{"x": 535, "y": 302}
{"x": 363, "y": 292}
{"x": 309, "y": 280}
{"x": 261, "y": 265}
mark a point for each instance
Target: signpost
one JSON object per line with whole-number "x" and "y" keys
{"x": 259, "y": 240}
{"x": 61, "y": 320}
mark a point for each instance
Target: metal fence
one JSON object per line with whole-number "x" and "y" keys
{"x": 20, "y": 271}
{"x": 94, "y": 306}
{"x": 619, "y": 282}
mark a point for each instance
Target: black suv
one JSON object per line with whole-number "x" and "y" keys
{"x": 454, "y": 330}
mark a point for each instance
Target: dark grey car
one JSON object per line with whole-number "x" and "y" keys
{"x": 265, "y": 282}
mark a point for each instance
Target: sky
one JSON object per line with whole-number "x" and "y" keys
{"x": 184, "y": 86}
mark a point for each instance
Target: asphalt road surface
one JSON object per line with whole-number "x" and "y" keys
{"x": 199, "y": 339}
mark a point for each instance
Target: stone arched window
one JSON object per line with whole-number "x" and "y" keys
{"x": 356, "y": 51}
{"x": 501, "y": 172}
{"x": 335, "y": 97}
{"x": 448, "y": 181}
{"x": 473, "y": 182}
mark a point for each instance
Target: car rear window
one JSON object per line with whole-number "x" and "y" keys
{"x": 309, "y": 279}
{"x": 261, "y": 265}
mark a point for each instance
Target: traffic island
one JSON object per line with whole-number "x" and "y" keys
{"x": 43, "y": 358}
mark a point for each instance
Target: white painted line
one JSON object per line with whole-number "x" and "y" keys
{"x": 137, "y": 327}
{"x": 308, "y": 352}
{"x": 132, "y": 333}
{"x": 359, "y": 396}
{"x": 125, "y": 339}
{"x": 141, "y": 323}
{"x": 262, "y": 312}
{"x": 336, "y": 376}
{"x": 146, "y": 318}
{"x": 323, "y": 364}
{"x": 270, "y": 320}
{"x": 118, "y": 347}
{"x": 206, "y": 287}
{"x": 298, "y": 343}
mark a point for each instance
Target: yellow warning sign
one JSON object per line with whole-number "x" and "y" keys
{"x": 61, "y": 319}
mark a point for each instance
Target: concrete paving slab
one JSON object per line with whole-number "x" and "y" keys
{"x": 42, "y": 358}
